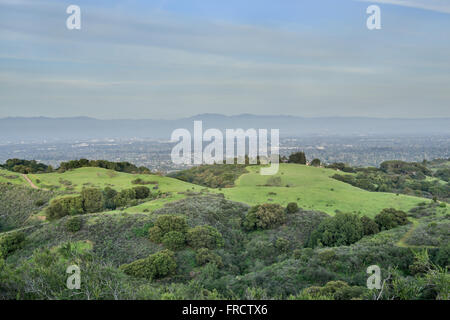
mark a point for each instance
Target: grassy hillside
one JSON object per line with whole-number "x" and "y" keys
{"x": 11, "y": 177}
{"x": 313, "y": 189}
{"x": 75, "y": 180}
{"x": 18, "y": 203}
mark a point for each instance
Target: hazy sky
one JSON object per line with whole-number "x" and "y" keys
{"x": 168, "y": 59}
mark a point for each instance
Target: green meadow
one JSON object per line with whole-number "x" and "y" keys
{"x": 312, "y": 188}
{"x": 12, "y": 177}
{"x": 100, "y": 178}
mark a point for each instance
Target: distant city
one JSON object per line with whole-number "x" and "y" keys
{"x": 155, "y": 154}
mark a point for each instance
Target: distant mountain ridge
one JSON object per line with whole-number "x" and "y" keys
{"x": 17, "y": 129}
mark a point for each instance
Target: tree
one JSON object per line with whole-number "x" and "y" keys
{"x": 158, "y": 265}
{"x": 390, "y": 218}
{"x": 65, "y": 206}
{"x": 205, "y": 237}
{"x": 141, "y": 192}
{"x": 315, "y": 162}
{"x": 124, "y": 197}
{"x": 174, "y": 240}
{"x": 342, "y": 229}
{"x": 92, "y": 200}
{"x": 109, "y": 194}
{"x": 264, "y": 216}
{"x": 297, "y": 157}
{"x": 169, "y": 223}
{"x": 369, "y": 226}
{"x": 292, "y": 207}
{"x": 204, "y": 256}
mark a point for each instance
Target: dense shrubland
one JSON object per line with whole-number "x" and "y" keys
{"x": 32, "y": 166}
{"x": 93, "y": 200}
{"x": 25, "y": 166}
{"x": 213, "y": 176}
{"x": 206, "y": 247}
{"x": 400, "y": 177}
{"x": 18, "y": 204}
{"x": 116, "y": 166}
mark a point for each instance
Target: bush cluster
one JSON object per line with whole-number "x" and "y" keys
{"x": 93, "y": 200}
{"x": 264, "y": 216}
{"x": 169, "y": 230}
{"x": 391, "y": 218}
{"x": 11, "y": 242}
{"x": 158, "y": 265}
{"x": 204, "y": 237}
{"x": 204, "y": 256}
{"x": 292, "y": 207}
{"x": 73, "y": 224}
{"x": 342, "y": 229}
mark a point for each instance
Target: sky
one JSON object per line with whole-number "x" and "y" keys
{"x": 167, "y": 59}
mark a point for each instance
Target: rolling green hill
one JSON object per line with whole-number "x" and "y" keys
{"x": 76, "y": 179}
{"x": 73, "y": 181}
{"x": 313, "y": 189}
{"x": 11, "y": 177}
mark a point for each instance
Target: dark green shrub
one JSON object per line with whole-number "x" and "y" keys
{"x": 141, "y": 192}
{"x": 264, "y": 216}
{"x": 204, "y": 237}
{"x": 297, "y": 157}
{"x": 141, "y": 181}
{"x": 391, "y": 218}
{"x": 205, "y": 256}
{"x": 174, "y": 240}
{"x": 39, "y": 202}
{"x": 369, "y": 226}
{"x": 169, "y": 223}
{"x": 315, "y": 162}
{"x": 155, "y": 234}
{"x": 292, "y": 207}
{"x": 108, "y": 195}
{"x": 92, "y": 200}
{"x": 158, "y": 265}
{"x": 124, "y": 197}
{"x": 282, "y": 244}
{"x": 342, "y": 229}
{"x": 273, "y": 181}
{"x": 11, "y": 242}
{"x": 443, "y": 256}
{"x": 61, "y": 207}
{"x": 337, "y": 290}
{"x": 73, "y": 224}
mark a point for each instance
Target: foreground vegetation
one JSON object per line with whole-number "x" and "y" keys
{"x": 300, "y": 234}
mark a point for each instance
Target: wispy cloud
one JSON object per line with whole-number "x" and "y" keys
{"x": 169, "y": 64}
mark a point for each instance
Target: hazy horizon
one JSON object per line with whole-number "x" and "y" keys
{"x": 223, "y": 115}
